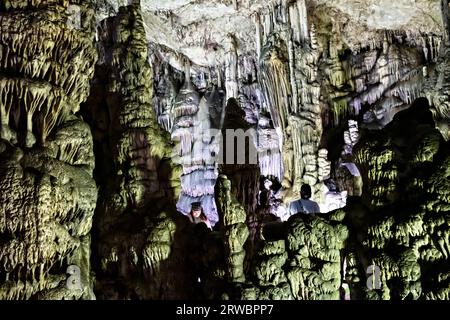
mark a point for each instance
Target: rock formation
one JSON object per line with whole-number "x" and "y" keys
{"x": 48, "y": 192}
{"x": 116, "y": 116}
{"x": 405, "y": 236}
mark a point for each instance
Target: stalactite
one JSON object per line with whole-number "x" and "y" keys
{"x": 231, "y": 70}
{"x": 340, "y": 110}
{"x": 294, "y": 89}
{"x": 437, "y": 92}
{"x": 303, "y": 20}
{"x": 445, "y": 19}
{"x": 274, "y": 80}
{"x": 236, "y": 232}
{"x": 54, "y": 208}
{"x": 259, "y": 35}
{"x": 273, "y": 16}
{"x": 292, "y": 16}
{"x": 270, "y": 158}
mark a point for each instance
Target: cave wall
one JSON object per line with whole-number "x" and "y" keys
{"x": 401, "y": 222}
{"x": 109, "y": 131}
{"x": 48, "y": 192}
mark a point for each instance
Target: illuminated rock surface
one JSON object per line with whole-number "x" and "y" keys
{"x": 114, "y": 119}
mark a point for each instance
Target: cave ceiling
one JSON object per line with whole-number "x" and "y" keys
{"x": 199, "y": 29}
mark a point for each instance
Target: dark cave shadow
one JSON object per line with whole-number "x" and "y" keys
{"x": 191, "y": 246}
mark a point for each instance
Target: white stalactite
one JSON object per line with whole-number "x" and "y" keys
{"x": 294, "y": 88}
{"x": 303, "y": 20}
{"x": 258, "y": 35}
{"x": 231, "y": 70}
{"x": 294, "y": 23}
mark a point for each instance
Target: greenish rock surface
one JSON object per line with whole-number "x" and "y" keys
{"x": 402, "y": 229}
